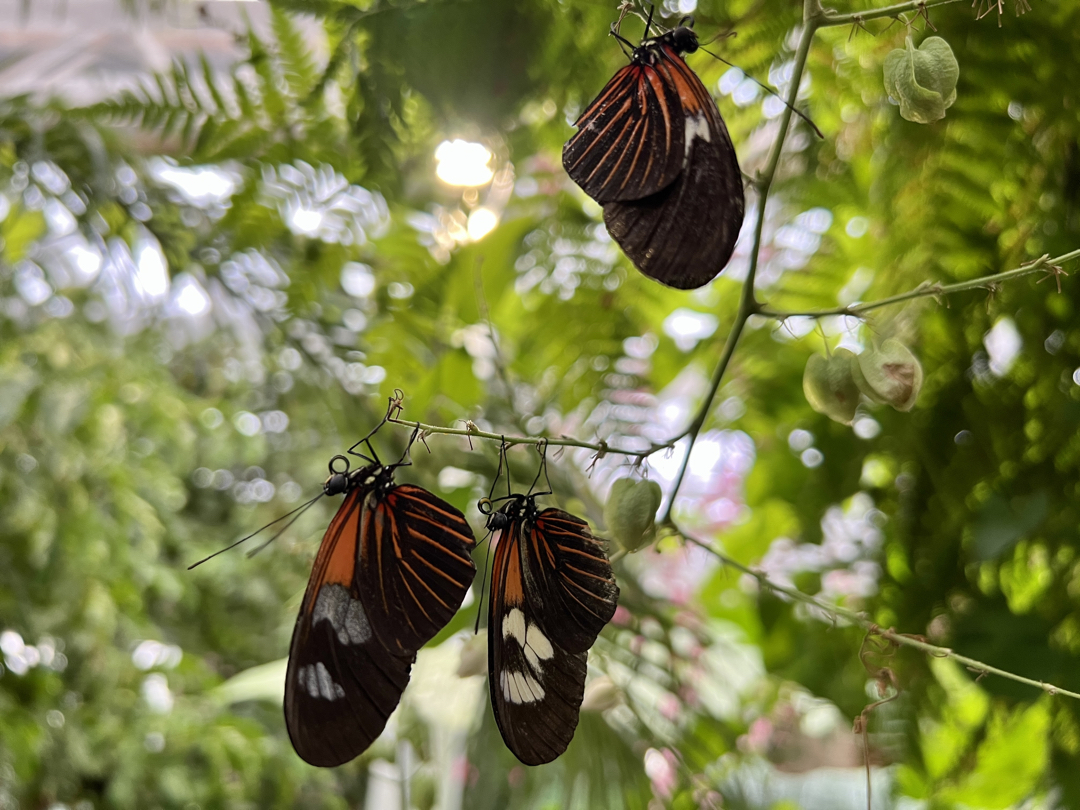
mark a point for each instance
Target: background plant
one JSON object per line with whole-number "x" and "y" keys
{"x": 176, "y": 369}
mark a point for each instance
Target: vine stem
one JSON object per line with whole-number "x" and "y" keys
{"x": 1044, "y": 264}
{"x": 838, "y": 612}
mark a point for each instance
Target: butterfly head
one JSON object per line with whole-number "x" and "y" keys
{"x": 682, "y": 40}
{"x": 342, "y": 479}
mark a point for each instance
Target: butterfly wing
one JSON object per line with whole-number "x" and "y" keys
{"x": 568, "y": 579}
{"x": 342, "y": 683}
{"x": 684, "y": 235}
{"x": 417, "y": 565}
{"x": 536, "y": 686}
{"x": 630, "y": 140}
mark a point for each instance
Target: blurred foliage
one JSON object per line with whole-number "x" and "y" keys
{"x": 176, "y": 369}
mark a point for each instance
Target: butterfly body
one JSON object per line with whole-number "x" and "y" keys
{"x": 653, "y": 150}
{"x": 552, "y": 593}
{"x": 392, "y": 569}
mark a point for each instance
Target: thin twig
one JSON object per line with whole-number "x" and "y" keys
{"x": 472, "y": 431}
{"x": 837, "y": 612}
{"x": 1045, "y": 264}
{"x": 827, "y": 18}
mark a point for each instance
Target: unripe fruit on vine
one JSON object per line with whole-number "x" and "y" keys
{"x": 630, "y": 512}
{"x": 922, "y": 80}
{"x": 890, "y": 374}
{"x": 830, "y": 387}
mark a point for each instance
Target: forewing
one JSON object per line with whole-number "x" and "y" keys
{"x": 629, "y": 142}
{"x": 684, "y": 235}
{"x": 568, "y": 579}
{"x": 342, "y": 683}
{"x": 415, "y": 565}
{"x": 536, "y": 686}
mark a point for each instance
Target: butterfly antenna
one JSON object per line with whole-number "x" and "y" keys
{"x": 301, "y": 508}
{"x": 648, "y": 23}
{"x": 483, "y": 584}
{"x": 282, "y": 530}
{"x": 769, "y": 90}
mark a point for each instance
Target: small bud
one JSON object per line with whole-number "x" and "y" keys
{"x": 922, "y": 80}
{"x": 829, "y": 386}
{"x": 890, "y": 374}
{"x": 473, "y": 659}
{"x": 601, "y": 694}
{"x": 630, "y": 512}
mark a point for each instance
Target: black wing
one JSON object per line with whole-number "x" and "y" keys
{"x": 416, "y": 565}
{"x": 342, "y": 683}
{"x": 630, "y": 140}
{"x": 684, "y": 235}
{"x": 568, "y": 579}
{"x": 536, "y": 686}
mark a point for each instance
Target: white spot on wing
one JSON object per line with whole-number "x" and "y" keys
{"x": 697, "y": 126}
{"x": 514, "y": 625}
{"x": 521, "y": 687}
{"x": 537, "y": 642}
{"x": 319, "y": 683}
{"x": 345, "y": 614}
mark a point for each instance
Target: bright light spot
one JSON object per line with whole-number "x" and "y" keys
{"x": 746, "y": 93}
{"x": 357, "y": 279}
{"x": 687, "y": 327}
{"x": 462, "y": 163}
{"x": 866, "y": 427}
{"x": 704, "y": 457}
{"x": 812, "y": 457}
{"x": 306, "y": 221}
{"x": 200, "y": 185}
{"x": 88, "y": 262}
{"x": 455, "y": 478}
{"x": 190, "y": 296}
{"x": 482, "y": 221}
{"x": 11, "y": 643}
{"x": 152, "y": 275}
{"x": 798, "y": 440}
{"x": 156, "y": 693}
{"x": 857, "y": 227}
{"x": 247, "y": 423}
{"x": 730, "y": 80}
{"x": 1003, "y": 344}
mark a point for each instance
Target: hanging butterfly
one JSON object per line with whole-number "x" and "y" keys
{"x": 392, "y": 570}
{"x": 654, "y": 151}
{"x": 552, "y": 592}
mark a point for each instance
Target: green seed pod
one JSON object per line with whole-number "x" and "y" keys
{"x": 630, "y": 512}
{"x": 890, "y": 374}
{"x": 829, "y": 386}
{"x": 923, "y": 80}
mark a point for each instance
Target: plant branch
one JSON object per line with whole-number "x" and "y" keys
{"x": 1044, "y": 264}
{"x": 748, "y": 304}
{"x": 602, "y": 448}
{"x": 859, "y": 619}
{"x": 828, "y": 18}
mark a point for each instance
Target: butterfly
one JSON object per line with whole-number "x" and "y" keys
{"x": 392, "y": 570}
{"x": 552, "y": 592}
{"x": 653, "y": 150}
